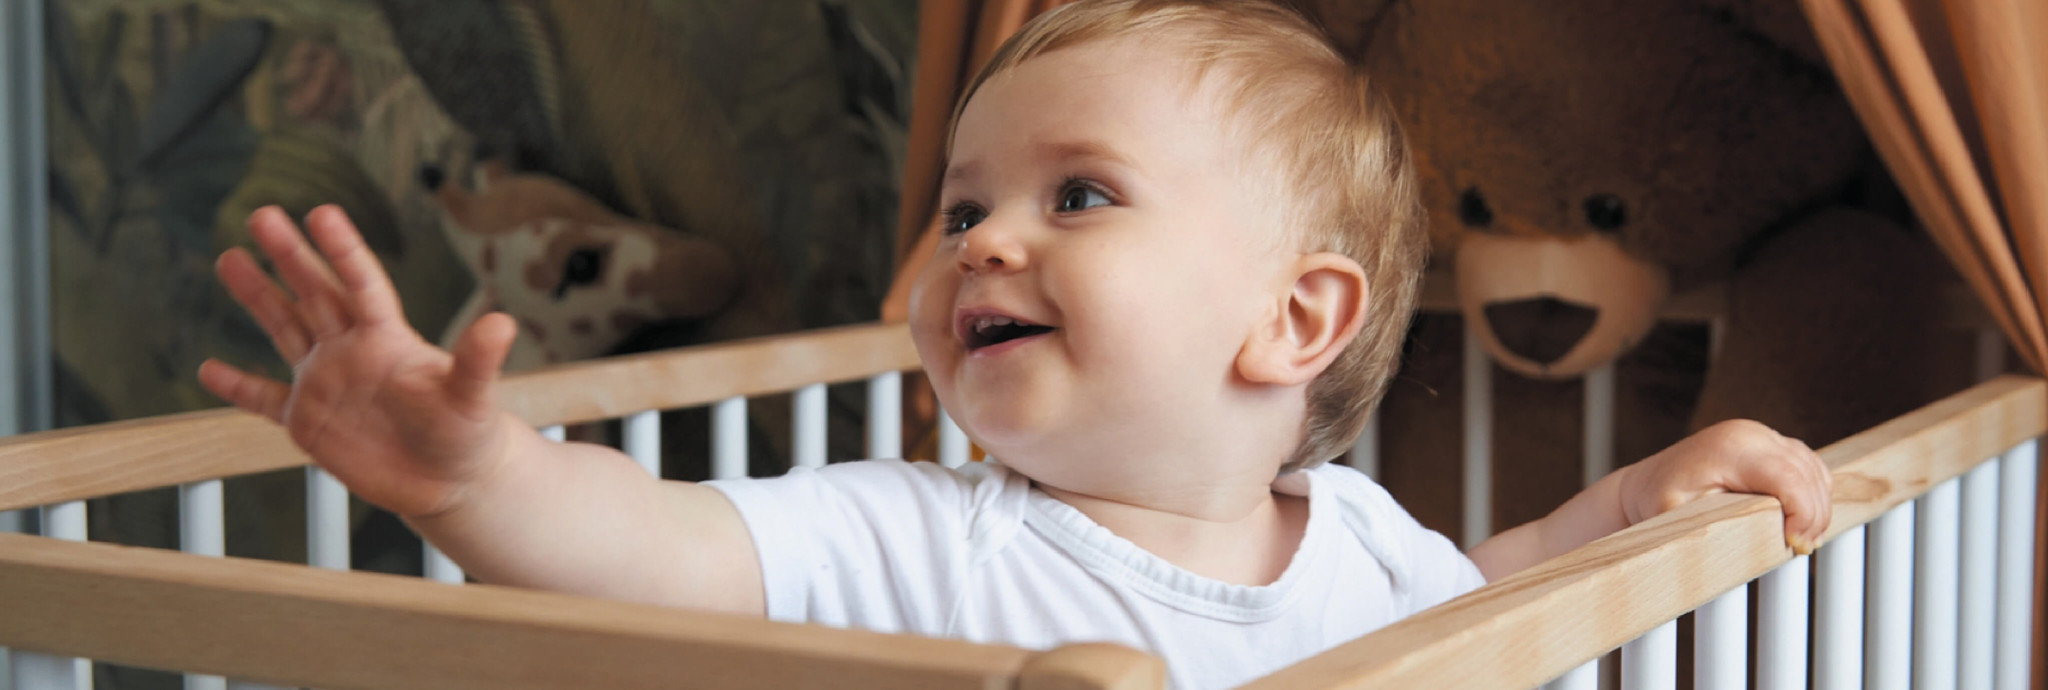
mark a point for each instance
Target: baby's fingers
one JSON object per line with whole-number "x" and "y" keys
{"x": 268, "y": 304}
{"x": 371, "y": 297}
{"x": 319, "y": 303}
{"x": 1800, "y": 480}
{"x": 251, "y": 392}
{"x": 479, "y": 353}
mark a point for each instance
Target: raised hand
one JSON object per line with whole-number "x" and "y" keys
{"x": 405, "y": 424}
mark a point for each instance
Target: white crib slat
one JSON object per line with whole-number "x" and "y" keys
{"x": 1888, "y": 619}
{"x": 729, "y": 439}
{"x": 1650, "y": 662}
{"x": 1478, "y": 442}
{"x": 642, "y": 439}
{"x": 326, "y": 520}
{"x": 1782, "y": 626}
{"x": 1721, "y": 642}
{"x": 1585, "y": 677}
{"x": 202, "y": 530}
{"x": 1365, "y": 452}
{"x": 808, "y": 419}
{"x": 1934, "y": 592}
{"x": 439, "y": 567}
{"x": 885, "y": 415}
{"x": 2016, "y": 475}
{"x": 952, "y": 442}
{"x": 1598, "y": 428}
{"x": 34, "y": 671}
{"x": 1977, "y": 610}
{"x": 1838, "y": 651}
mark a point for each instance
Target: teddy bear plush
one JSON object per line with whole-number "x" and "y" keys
{"x": 1581, "y": 161}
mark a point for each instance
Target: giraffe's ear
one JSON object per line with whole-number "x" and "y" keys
{"x": 454, "y": 200}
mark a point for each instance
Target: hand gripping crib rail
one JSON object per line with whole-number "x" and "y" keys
{"x": 1951, "y": 484}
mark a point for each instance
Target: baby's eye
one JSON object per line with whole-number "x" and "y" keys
{"x": 1081, "y": 196}
{"x": 962, "y": 217}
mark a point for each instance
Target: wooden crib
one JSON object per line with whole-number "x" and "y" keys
{"x": 1926, "y": 578}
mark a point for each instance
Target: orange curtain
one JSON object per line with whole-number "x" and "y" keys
{"x": 1955, "y": 95}
{"x": 955, "y": 37}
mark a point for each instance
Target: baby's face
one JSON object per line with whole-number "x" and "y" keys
{"x": 1107, "y": 250}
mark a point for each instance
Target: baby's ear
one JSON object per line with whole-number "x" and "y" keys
{"x": 1316, "y": 320}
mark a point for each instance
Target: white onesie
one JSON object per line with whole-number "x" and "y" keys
{"x": 979, "y": 554}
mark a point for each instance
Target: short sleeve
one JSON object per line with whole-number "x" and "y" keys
{"x": 874, "y": 544}
{"x": 1425, "y": 568}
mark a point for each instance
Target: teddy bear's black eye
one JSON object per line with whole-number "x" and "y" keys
{"x": 1473, "y": 210}
{"x": 1606, "y": 211}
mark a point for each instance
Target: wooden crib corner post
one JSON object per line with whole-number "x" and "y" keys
{"x": 1092, "y": 666}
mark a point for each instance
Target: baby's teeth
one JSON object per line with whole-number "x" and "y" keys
{"x": 1002, "y": 321}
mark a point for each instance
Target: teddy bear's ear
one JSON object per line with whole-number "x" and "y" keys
{"x": 1350, "y": 22}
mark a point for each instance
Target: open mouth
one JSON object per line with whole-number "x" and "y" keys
{"x": 983, "y": 331}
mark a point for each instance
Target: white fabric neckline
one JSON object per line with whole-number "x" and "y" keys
{"x": 1116, "y": 560}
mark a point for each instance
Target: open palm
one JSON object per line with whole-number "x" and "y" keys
{"x": 403, "y": 423}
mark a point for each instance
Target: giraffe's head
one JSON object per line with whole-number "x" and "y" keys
{"x": 577, "y": 277}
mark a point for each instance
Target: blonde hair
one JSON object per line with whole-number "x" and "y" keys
{"x": 1313, "y": 114}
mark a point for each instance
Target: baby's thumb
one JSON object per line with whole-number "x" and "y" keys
{"x": 479, "y": 354}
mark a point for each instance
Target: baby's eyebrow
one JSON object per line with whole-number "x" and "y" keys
{"x": 1050, "y": 151}
{"x": 1090, "y": 149}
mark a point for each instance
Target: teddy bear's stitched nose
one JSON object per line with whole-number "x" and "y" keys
{"x": 1543, "y": 330}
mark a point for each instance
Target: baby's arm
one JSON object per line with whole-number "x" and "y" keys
{"x": 418, "y": 431}
{"x": 1740, "y": 456}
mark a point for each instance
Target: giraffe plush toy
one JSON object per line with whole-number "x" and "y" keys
{"x": 579, "y": 278}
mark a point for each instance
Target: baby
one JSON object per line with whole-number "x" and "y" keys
{"x": 1181, "y": 246}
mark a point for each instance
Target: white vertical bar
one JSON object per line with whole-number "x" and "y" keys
{"x": 952, "y": 442}
{"x": 1977, "y": 609}
{"x": 1935, "y": 542}
{"x": 26, "y": 373}
{"x": 439, "y": 567}
{"x": 1598, "y": 431}
{"x": 1720, "y": 642}
{"x": 1782, "y": 626}
{"x": 1365, "y": 452}
{"x": 1650, "y": 662}
{"x": 1478, "y": 442}
{"x": 2016, "y": 474}
{"x": 202, "y": 530}
{"x": 1585, "y": 677}
{"x": 808, "y": 420}
{"x": 885, "y": 415}
{"x": 326, "y": 520}
{"x": 556, "y": 433}
{"x": 642, "y": 431}
{"x": 37, "y": 671}
{"x": 729, "y": 438}
{"x": 1838, "y": 649}
{"x": 1888, "y": 620}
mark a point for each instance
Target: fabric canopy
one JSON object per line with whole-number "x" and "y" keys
{"x": 1954, "y": 93}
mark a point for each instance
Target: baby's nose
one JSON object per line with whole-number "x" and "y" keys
{"x": 990, "y": 249}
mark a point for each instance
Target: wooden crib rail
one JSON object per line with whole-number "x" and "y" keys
{"x": 1528, "y": 628}
{"x": 105, "y": 459}
{"x": 280, "y": 623}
